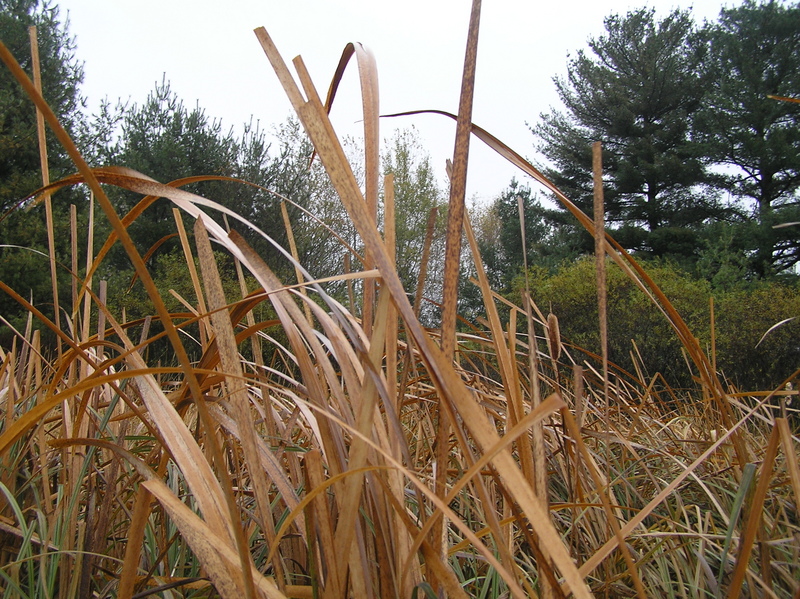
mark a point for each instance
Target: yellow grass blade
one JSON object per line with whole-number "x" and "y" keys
{"x": 449, "y": 385}
{"x": 218, "y": 557}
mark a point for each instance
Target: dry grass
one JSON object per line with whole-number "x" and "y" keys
{"x": 308, "y": 467}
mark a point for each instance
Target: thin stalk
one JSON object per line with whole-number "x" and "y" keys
{"x": 48, "y": 204}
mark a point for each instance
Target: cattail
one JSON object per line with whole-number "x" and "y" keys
{"x": 553, "y": 337}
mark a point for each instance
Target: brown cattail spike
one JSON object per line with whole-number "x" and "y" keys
{"x": 553, "y": 337}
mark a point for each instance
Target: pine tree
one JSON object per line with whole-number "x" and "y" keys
{"x": 755, "y": 53}
{"x": 23, "y": 237}
{"x": 634, "y": 93}
{"x": 62, "y": 75}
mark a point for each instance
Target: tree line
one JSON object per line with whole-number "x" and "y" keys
{"x": 701, "y": 149}
{"x": 701, "y": 159}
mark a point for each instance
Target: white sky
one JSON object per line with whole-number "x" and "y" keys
{"x": 208, "y": 52}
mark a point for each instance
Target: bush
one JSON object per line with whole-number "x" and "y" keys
{"x": 742, "y": 318}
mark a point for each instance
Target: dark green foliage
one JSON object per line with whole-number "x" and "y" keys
{"x": 62, "y": 74}
{"x": 755, "y": 52}
{"x": 166, "y": 141}
{"x": 571, "y": 295}
{"x": 25, "y": 270}
{"x": 685, "y": 119}
{"x": 743, "y": 316}
{"x": 723, "y": 256}
{"x": 634, "y": 93}
{"x": 500, "y": 235}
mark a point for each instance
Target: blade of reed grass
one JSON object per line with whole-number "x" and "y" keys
{"x": 537, "y": 449}
{"x": 153, "y": 190}
{"x": 784, "y": 99}
{"x": 600, "y": 268}
{"x": 235, "y": 384}
{"x": 220, "y": 560}
{"x": 73, "y": 238}
{"x": 346, "y": 527}
{"x": 269, "y": 463}
{"x": 458, "y": 186}
{"x": 368, "y": 79}
{"x": 87, "y": 281}
{"x": 399, "y": 537}
{"x": 299, "y": 333}
{"x": 51, "y": 244}
{"x": 791, "y": 457}
{"x": 390, "y": 239}
{"x": 537, "y": 471}
{"x": 188, "y": 256}
{"x": 513, "y": 392}
{"x": 293, "y": 248}
{"x": 748, "y": 473}
{"x": 754, "y": 519}
{"x": 449, "y": 385}
{"x": 420, "y": 289}
{"x": 187, "y": 454}
{"x": 327, "y": 561}
{"x": 539, "y": 474}
{"x": 135, "y": 533}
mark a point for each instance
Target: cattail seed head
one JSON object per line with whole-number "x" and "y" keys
{"x": 553, "y": 336}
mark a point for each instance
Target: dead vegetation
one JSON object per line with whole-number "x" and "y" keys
{"x": 303, "y": 456}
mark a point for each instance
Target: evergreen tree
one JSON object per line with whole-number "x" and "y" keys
{"x": 499, "y": 233}
{"x": 755, "y": 52}
{"x": 62, "y": 74}
{"x": 23, "y": 237}
{"x": 165, "y": 140}
{"x": 635, "y": 93}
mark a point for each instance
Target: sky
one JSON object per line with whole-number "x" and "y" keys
{"x": 208, "y": 52}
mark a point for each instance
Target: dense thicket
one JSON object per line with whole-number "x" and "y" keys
{"x": 748, "y": 353}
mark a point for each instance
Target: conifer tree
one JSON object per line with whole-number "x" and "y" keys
{"x": 755, "y": 53}
{"x": 634, "y": 91}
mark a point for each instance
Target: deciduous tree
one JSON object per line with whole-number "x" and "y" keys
{"x": 416, "y": 193}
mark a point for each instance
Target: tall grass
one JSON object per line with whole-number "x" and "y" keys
{"x": 298, "y": 456}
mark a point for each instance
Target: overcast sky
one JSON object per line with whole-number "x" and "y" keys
{"x": 207, "y": 51}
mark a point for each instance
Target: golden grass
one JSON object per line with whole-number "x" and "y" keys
{"x": 308, "y": 468}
